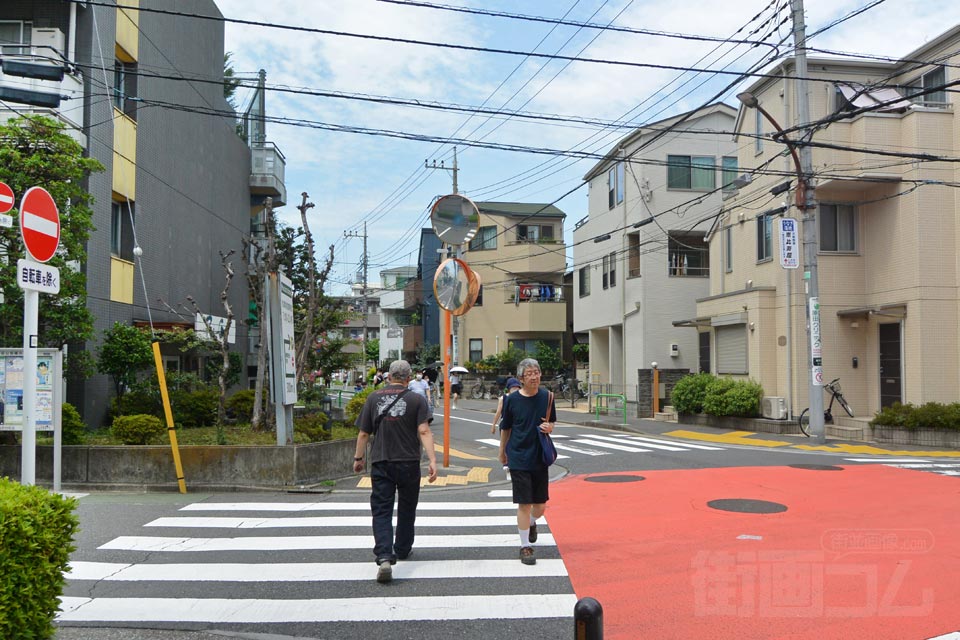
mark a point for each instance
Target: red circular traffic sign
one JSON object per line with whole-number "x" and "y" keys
{"x": 39, "y": 224}
{"x": 6, "y": 197}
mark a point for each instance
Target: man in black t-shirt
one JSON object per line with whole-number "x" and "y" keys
{"x": 394, "y": 463}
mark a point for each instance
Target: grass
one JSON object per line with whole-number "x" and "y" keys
{"x": 237, "y": 435}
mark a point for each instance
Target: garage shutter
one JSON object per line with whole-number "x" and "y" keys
{"x": 731, "y": 348}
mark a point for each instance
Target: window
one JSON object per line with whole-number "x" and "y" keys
{"x": 758, "y": 128}
{"x": 731, "y": 343}
{"x": 838, "y": 227}
{"x": 929, "y": 80}
{"x": 121, "y": 230}
{"x": 535, "y": 233}
{"x": 611, "y": 187}
{"x": 691, "y": 172}
{"x": 479, "y": 302}
{"x": 728, "y": 249}
{"x": 730, "y": 168}
{"x": 605, "y": 267}
{"x": 13, "y": 35}
{"x": 764, "y": 237}
{"x": 633, "y": 255}
{"x": 620, "y": 180}
{"x": 530, "y": 345}
{"x": 476, "y": 349}
{"x": 486, "y": 238}
{"x": 584, "y": 281}
{"x": 704, "y": 348}
{"x": 613, "y": 268}
{"x": 125, "y": 87}
{"x": 688, "y": 254}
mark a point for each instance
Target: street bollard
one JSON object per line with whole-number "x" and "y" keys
{"x": 588, "y": 619}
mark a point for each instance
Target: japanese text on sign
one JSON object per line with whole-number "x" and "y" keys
{"x": 789, "y": 250}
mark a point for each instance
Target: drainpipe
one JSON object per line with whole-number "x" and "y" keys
{"x": 72, "y": 46}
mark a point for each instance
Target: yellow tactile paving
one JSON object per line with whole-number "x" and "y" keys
{"x": 476, "y": 474}
{"x": 460, "y": 454}
{"x": 865, "y": 449}
{"x": 734, "y": 437}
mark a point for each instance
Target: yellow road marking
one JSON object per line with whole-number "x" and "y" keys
{"x": 459, "y": 454}
{"x": 734, "y": 437}
{"x": 476, "y": 474}
{"x": 865, "y": 449}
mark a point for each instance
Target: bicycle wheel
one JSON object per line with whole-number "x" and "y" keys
{"x": 476, "y": 392}
{"x": 804, "y": 422}
{"x": 568, "y": 393}
{"x": 845, "y": 405}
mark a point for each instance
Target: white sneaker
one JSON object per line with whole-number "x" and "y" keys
{"x": 384, "y": 572}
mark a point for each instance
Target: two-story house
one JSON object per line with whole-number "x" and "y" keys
{"x": 640, "y": 255}
{"x": 886, "y": 228}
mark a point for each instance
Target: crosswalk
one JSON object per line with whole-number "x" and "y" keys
{"x": 917, "y": 464}
{"x": 592, "y": 444}
{"x": 259, "y": 567}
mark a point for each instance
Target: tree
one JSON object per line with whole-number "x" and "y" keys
{"x": 126, "y": 350}
{"x": 373, "y": 351}
{"x": 548, "y": 357}
{"x": 230, "y": 81}
{"x": 35, "y": 151}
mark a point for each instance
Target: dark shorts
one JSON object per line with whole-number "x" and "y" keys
{"x": 456, "y": 388}
{"x": 530, "y": 487}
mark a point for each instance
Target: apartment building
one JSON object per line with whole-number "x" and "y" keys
{"x": 887, "y": 235}
{"x": 400, "y": 312}
{"x": 640, "y": 255}
{"x": 179, "y": 185}
{"x": 519, "y": 254}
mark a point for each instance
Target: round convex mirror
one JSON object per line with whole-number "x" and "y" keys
{"x": 451, "y": 286}
{"x": 455, "y": 219}
{"x": 473, "y": 292}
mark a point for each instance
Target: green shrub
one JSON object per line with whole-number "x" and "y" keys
{"x": 137, "y": 429}
{"x": 195, "y": 408}
{"x": 893, "y": 416}
{"x": 36, "y": 536}
{"x": 932, "y": 415}
{"x": 729, "y": 397}
{"x": 313, "y": 426}
{"x": 688, "y": 393}
{"x": 353, "y": 408}
{"x": 71, "y": 424}
{"x": 240, "y": 405}
{"x": 139, "y": 401}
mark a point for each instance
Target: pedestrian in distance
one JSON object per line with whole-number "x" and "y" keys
{"x": 455, "y": 389}
{"x": 525, "y": 413}
{"x": 421, "y": 386}
{"x": 512, "y": 385}
{"x": 398, "y": 422}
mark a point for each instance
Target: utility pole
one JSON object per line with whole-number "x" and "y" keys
{"x": 809, "y": 213}
{"x": 363, "y": 293}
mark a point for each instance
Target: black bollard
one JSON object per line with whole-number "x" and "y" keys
{"x": 588, "y": 619}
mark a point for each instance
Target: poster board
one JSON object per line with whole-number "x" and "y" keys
{"x": 11, "y": 389}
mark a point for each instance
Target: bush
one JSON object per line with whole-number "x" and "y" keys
{"x": 137, "y": 429}
{"x": 688, "y": 393}
{"x": 140, "y": 401}
{"x": 932, "y": 415}
{"x": 36, "y": 535}
{"x": 353, "y": 408}
{"x": 893, "y": 416}
{"x": 240, "y": 405}
{"x": 313, "y": 426}
{"x": 729, "y": 397}
{"x": 71, "y": 424}
{"x": 195, "y": 408}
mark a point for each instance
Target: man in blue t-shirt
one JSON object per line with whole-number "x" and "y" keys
{"x": 524, "y": 413}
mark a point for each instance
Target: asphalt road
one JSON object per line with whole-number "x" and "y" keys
{"x": 630, "y": 522}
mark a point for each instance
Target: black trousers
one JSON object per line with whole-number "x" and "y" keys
{"x": 389, "y": 480}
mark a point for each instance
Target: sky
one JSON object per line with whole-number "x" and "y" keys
{"x": 354, "y": 178}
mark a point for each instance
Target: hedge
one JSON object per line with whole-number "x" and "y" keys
{"x": 36, "y": 539}
{"x": 932, "y": 415}
{"x": 706, "y": 393}
{"x": 138, "y": 429}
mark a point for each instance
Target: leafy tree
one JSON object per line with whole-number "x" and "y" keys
{"x": 126, "y": 350}
{"x": 581, "y": 353}
{"x": 427, "y": 354}
{"x": 548, "y": 357}
{"x": 230, "y": 80}
{"x": 373, "y": 350}
{"x": 35, "y": 151}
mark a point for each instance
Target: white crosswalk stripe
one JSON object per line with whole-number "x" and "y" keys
{"x": 917, "y": 464}
{"x": 592, "y": 444}
{"x": 252, "y": 581}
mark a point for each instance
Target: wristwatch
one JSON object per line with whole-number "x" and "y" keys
{"x": 358, "y": 459}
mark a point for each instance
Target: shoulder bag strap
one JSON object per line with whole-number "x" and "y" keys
{"x": 376, "y": 421}
{"x": 549, "y": 405}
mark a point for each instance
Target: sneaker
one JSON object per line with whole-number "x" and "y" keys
{"x": 384, "y": 571}
{"x": 527, "y": 556}
{"x": 533, "y": 532}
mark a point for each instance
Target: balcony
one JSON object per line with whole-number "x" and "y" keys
{"x": 267, "y": 173}
{"x": 533, "y": 257}
{"x": 70, "y": 111}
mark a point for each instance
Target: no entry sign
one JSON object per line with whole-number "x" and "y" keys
{"x": 39, "y": 224}
{"x": 6, "y": 197}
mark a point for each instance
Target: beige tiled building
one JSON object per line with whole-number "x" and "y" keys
{"x": 887, "y": 236}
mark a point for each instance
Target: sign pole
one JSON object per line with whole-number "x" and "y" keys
{"x": 28, "y": 464}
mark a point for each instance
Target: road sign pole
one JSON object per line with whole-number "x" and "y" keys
{"x": 28, "y": 464}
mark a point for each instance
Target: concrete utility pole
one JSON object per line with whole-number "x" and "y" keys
{"x": 809, "y": 213}
{"x": 363, "y": 293}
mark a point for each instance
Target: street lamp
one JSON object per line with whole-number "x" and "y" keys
{"x": 806, "y": 201}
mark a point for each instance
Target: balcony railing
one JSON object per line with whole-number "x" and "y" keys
{"x": 70, "y": 89}
{"x": 267, "y": 172}
{"x": 536, "y": 292}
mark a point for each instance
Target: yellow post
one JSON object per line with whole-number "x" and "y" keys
{"x": 171, "y": 431}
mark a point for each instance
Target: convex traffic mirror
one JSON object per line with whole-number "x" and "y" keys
{"x": 455, "y": 219}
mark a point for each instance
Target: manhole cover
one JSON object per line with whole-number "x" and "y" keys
{"x": 614, "y": 478}
{"x": 817, "y": 467}
{"x": 739, "y": 505}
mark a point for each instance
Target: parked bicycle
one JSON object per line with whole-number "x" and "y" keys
{"x": 567, "y": 388}
{"x": 482, "y": 389}
{"x": 833, "y": 387}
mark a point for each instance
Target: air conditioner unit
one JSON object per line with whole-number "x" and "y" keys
{"x": 47, "y": 38}
{"x": 773, "y": 407}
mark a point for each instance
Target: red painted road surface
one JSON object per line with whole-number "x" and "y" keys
{"x": 869, "y": 552}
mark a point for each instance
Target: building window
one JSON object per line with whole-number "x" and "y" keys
{"x": 620, "y": 181}
{"x": 633, "y": 255}
{"x": 15, "y": 38}
{"x": 691, "y": 172}
{"x": 479, "y": 302}
{"x": 764, "y": 237}
{"x": 125, "y": 87}
{"x": 730, "y": 168}
{"x": 584, "y": 280}
{"x": 121, "y": 230}
{"x": 688, "y": 254}
{"x": 929, "y": 80}
{"x": 728, "y": 249}
{"x": 704, "y": 348}
{"x": 605, "y": 268}
{"x": 486, "y": 238}
{"x": 838, "y": 227}
{"x": 731, "y": 341}
{"x": 611, "y": 187}
{"x": 534, "y": 233}
{"x": 530, "y": 345}
{"x": 612, "y": 262}
{"x": 476, "y": 349}
{"x": 758, "y": 128}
